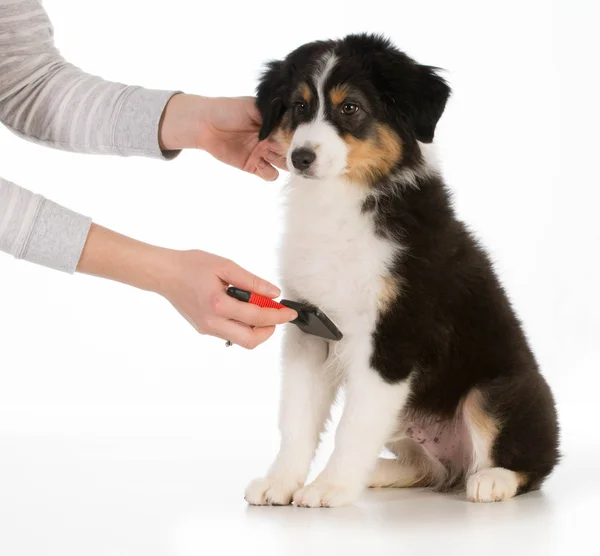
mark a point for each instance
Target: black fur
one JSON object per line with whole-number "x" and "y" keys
{"x": 452, "y": 324}
{"x": 273, "y": 94}
{"x": 409, "y": 96}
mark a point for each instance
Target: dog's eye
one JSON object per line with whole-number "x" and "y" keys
{"x": 300, "y": 107}
{"x": 349, "y": 108}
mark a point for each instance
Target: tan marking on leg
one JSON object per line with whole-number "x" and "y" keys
{"x": 411, "y": 468}
{"x": 391, "y": 473}
{"x": 483, "y": 429}
{"x": 522, "y": 479}
{"x": 371, "y": 159}
{"x": 388, "y": 292}
{"x": 486, "y": 483}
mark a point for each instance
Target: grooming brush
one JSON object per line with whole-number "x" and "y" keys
{"x": 311, "y": 319}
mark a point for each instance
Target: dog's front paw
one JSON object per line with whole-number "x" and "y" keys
{"x": 272, "y": 491}
{"x": 323, "y": 494}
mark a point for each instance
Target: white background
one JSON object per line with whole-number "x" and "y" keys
{"x": 123, "y": 432}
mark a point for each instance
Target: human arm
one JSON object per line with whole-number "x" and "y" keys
{"x": 46, "y": 100}
{"x": 194, "y": 282}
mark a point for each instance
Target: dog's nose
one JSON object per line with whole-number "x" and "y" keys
{"x": 303, "y": 158}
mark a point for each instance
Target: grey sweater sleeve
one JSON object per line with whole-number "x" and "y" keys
{"x": 47, "y": 100}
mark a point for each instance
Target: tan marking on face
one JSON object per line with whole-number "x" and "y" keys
{"x": 283, "y": 134}
{"x": 371, "y": 159}
{"x": 389, "y": 290}
{"x": 305, "y": 92}
{"x": 338, "y": 94}
{"x": 283, "y": 137}
{"x": 483, "y": 429}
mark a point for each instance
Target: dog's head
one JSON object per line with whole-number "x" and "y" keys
{"x": 355, "y": 107}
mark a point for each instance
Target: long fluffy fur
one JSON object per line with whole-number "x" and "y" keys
{"x": 434, "y": 361}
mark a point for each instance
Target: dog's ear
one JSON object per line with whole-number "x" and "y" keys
{"x": 430, "y": 97}
{"x": 269, "y": 98}
{"x": 418, "y": 92}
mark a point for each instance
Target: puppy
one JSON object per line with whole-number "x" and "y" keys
{"x": 434, "y": 363}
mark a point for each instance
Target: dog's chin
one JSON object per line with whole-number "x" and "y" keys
{"x": 307, "y": 175}
{"x": 315, "y": 176}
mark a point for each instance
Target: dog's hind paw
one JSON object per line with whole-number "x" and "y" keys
{"x": 492, "y": 485}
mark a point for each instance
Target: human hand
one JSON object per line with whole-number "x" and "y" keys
{"x": 197, "y": 291}
{"x": 226, "y": 128}
{"x": 194, "y": 282}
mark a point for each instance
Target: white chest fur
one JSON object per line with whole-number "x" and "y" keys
{"x": 331, "y": 255}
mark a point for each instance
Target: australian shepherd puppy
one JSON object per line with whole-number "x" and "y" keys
{"x": 434, "y": 363}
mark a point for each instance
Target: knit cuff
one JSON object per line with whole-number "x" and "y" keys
{"x": 137, "y": 125}
{"x": 57, "y": 237}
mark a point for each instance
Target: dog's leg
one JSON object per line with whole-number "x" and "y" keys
{"x": 391, "y": 473}
{"x": 514, "y": 434}
{"x": 308, "y": 391}
{"x": 369, "y": 418}
{"x": 410, "y": 468}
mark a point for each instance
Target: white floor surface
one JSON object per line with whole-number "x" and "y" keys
{"x": 178, "y": 491}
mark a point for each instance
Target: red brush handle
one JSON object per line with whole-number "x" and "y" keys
{"x": 254, "y": 298}
{"x": 263, "y": 301}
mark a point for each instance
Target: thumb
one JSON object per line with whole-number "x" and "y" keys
{"x": 265, "y": 171}
{"x": 236, "y": 276}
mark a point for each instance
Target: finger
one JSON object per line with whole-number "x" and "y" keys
{"x": 252, "y": 110}
{"x": 278, "y": 148}
{"x": 276, "y": 160}
{"x": 257, "y": 165}
{"x": 242, "y": 335}
{"x": 252, "y": 315}
{"x": 265, "y": 171}
{"x": 235, "y": 275}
